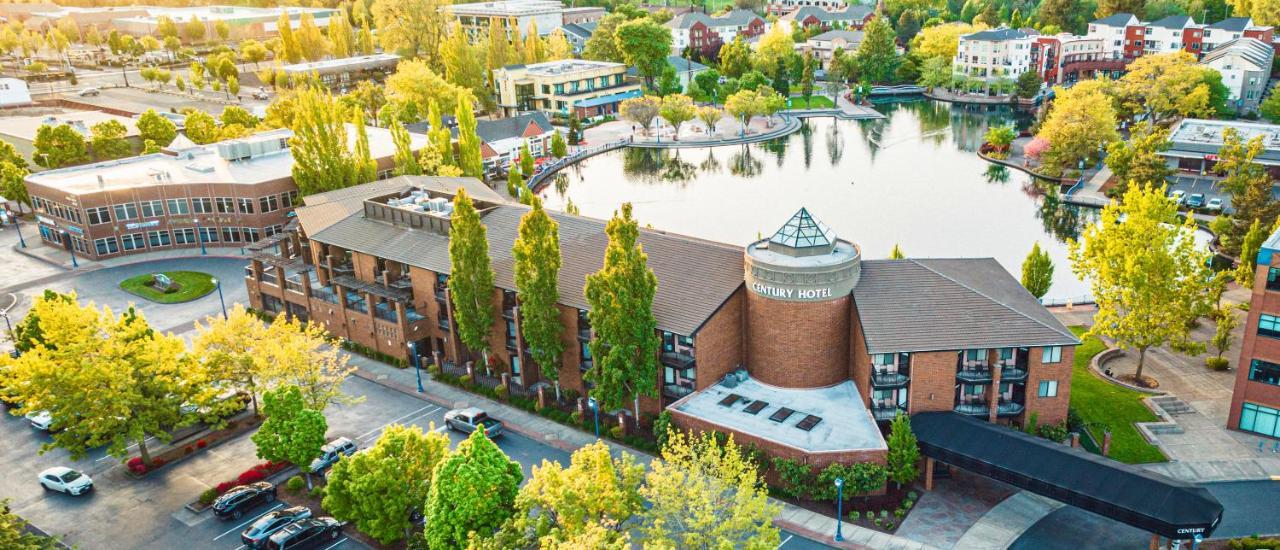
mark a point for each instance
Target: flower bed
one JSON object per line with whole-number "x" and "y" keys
{"x": 255, "y": 474}
{"x": 185, "y": 447}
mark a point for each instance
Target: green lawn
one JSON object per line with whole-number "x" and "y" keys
{"x": 191, "y": 285}
{"x": 815, "y": 102}
{"x": 1101, "y": 403}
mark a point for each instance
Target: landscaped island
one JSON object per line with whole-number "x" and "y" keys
{"x": 170, "y": 287}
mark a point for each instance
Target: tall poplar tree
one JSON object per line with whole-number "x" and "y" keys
{"x": 625, "y": 343}
{"x": 470, "y": 275}
{"x": 463, "y": 62}
{"x": 321, "y": 160}
{"x": 439, "y": 135}
{"x": 366, "y": 168}
{"x": 406, "y": 162}
{"x": 498, "y": 54}
{"x": 537, "y": 268}
{"x": 469, "y": 158}
{"x": 340, "y": 35}
{"x": 1037, "y": 271}
{"x": 289, "y": 47}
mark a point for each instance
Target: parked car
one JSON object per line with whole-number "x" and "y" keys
{"x": 88, "y": 92}
{"x": 307, "y": 533}
{"x": 1214, "y": 205}
{"x": 1195, "y": 200}
{"x": 1178, "y": 196}
{"x": 65, "y": 480}
{"x": 40, "y": 420}
{"x": 238, "y": 500}
{"x": 331, "y": 452}
{"x": 467, "y": 420}
{"x": 261, "y": 94}
{"x": 256, "y": 535}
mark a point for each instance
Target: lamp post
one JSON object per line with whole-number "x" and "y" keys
{"x": 199, "y": 236}
{"x": 417, "y": 369}
{"x": 595, "y": 408}
{"x": 839, "y": 511}
{"x": 218, "y": 284}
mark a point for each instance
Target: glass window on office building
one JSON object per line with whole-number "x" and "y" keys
{"x": 269, "y": 203}
{"x": 1051, "y": 354}
{"x": 185, "y": 235}
{"x": 202, "y": 205}
{"x": 152, "y": 209}
{"x": 1048, "y": 388}
{"x": 250, "y": 234}
{"x": 209, "y": 234}
{"x": 245, "y": 206}
{"x": 158, "y": 238}
{"x": 178, "y": 207}
{"x": 106, "y": 245}
{"x": 99, "y": 215}
{"x": 126, "y": 211}
{"x": 1265, "y": 372}
{"x": 225, "y": 205}
{"x": 1269, "y": 325}
{"x": 230, "y": 235}
{"x": 1260, "y": 420}
{"x": 1273, "y": 278}
{"x": 133, "y": 241}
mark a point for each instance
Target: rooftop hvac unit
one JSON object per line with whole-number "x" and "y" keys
{"x": 440, "y": 204}
{"x": 393, "y": 202}
{"x": 741, "y": 374}
{"x": 729, "y": 381}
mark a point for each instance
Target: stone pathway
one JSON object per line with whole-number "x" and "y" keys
{"x": 1001, "y": 526}
{"x": 942, "y": 516}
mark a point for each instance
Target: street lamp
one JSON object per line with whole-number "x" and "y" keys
{"x": 839, "y": 511}
{"x": 199, "y": 236}
{"x": 218, "y": 284}
{"x": 417, "y": 369}
{"x": 595, "y": 408}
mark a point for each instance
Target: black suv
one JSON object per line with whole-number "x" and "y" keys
{"x": 257, "y": 534}
{"x": 233, "y": 504}
{"x": 308, "y": 533}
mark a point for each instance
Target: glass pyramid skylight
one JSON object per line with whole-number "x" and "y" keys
{"x": 802, "y": 231}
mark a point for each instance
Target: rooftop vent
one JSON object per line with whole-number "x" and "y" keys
{"x": 781, "y": 414}
{"x": 755, "y": 407}
{"x": 809, "y": 422}
{"x": 197, "y": 167}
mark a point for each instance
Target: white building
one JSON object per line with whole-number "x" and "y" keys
{"x": 698, "y": 30}
{"x": 1229, "y": 29}
{"x": 1111, "y": 31}
{"x": 993, "y": 54}
{"x": 513, "y": 16}
{"x": 1245, "y": 64}
{"x": 823, "y": 46}
{"x": 14, "y": 92}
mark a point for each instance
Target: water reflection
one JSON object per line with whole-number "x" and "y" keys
{"x": 916, "y": 182}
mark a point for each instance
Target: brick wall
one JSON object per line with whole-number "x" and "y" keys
{"x": 719, "y": 345}
{"x": 366, "y": 266}
{"x": 933, "y": 382}
{"x": 775, "y": 449}
{"x": 1256, "y": 347}
{"x": 798, "y": 344}
{"x": 1049, "y": 410}
{"x": 860, "y": 365}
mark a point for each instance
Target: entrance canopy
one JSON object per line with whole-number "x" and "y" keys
{"x": 1128, "y": 494}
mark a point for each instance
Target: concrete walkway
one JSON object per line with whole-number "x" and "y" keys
{"x": 1007, "y": 521}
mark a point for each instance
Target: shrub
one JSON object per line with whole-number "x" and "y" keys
{"x": 1217, "y": 363}
{"x": 208, "y": 496}
{"x": 295, "y": 484}
{"x": 888, "y": 525}
{"x": 615, "y": 432}
{"x": 250, "y": 476}
{"x": 855, "y": 515}
{"x": 200, "y": 444}
{"x": 877, "y": 521}
{"x": 1253, "y": 543}
{"x": 576, "y": 417}
{"x": 884, "y": 514}
{"x": 899, "y": 513}
{"x": 465, "y": 380}
{"x": 912, "y": 495}
{"x": 317, "y": 492}
{"x": 1054, "y": 432}
{"x": 135, "y": 465}
{"x": 797, "y": 478}
{"x": 907, "y": 503}
{"x": 502, "y": 391}
{"x": 660, "y": 426}
{"x": 433, "y": 370}
{"x": 225, "y": 486}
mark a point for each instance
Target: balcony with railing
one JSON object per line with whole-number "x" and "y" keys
{"x": 411, "y": 315}
{"x": 324, "y": 294}
{"x": 1009, "y": 408}
{"x": 974, "y": 408}
{"x": 680, "y": 359}
{"x": 343, "y": 268}
{"x": 886, "y": 412}
{"x": 294, "y": 283}
{"x": 677, "y": 390}
{"x": 889, "y": 378}
{"x": 509, "y": 305}
{"x": 1013, "y": 374}
{"x": 443, "y": 323}
{"x": 269, "y": 277}
{"x": 386, "y": 312}
{"x": 356, "y": 302}
{"x": 440, "y": 293}
{"x": 512, "y": 345}
{"x": 974, "y": 375}
{"x": 401, "y": 282}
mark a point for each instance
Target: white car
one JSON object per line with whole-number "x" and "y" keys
{"x": 89, "y": 92}
{"x": 65, "y": 480}
{"x": 40, "y": 420}
{"x": 1178, "y": 196}
{"x": 1214, "y": 205}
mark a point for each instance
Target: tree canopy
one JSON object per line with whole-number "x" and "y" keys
{"x": 476, "y": 493}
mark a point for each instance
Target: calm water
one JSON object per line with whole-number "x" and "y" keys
{"x": 911, "y": 179}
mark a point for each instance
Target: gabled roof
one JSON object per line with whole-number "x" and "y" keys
{"x": 491, "y": 131}
{"x": 735, "y": 18}
{"x": 1116, "y": 20}
{"x": 579, "y": 30}
{"x": 950, "y": 304}
{"x": 1002, "y": 33}
{"x": 1253, "y": 50}
{"x": 681, "y": 65}
{"x": 846, "y": 35}
{"x": 1237, "y": 24}
{"x": 1173, "y": 22}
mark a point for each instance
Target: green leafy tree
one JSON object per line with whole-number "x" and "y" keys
{"x": 108, "y": 141}
{"x": 1138, "y": 159}
{"x": 476, "y": 493}
{"x": 1146, "y": 272}
{"x": 406, "y": 162}
{"x": 877, "y": 56}
{"x": 439, "y": 135}
{"x": 470, "y": 275}
{"x": 366, "y": 168}
{"x": 13, "y": 183}
{"x": 603, "y": 44}
{"x": 165, "y": 27}
{"x": 708, "y": 82}
{"x": 17, "y": 534}
{"x": 292, "y": 432}
{"x": 201, "y": 128}
{"x": 645, "y": 45}
{"x": 469, "y": 158}
{"x": 526, "y": 160}
{"x": 414, "y": 28}
{"x": 537, "y": 268}
{"x": 58, "y": 146}
{"x": 193, "y": 30}
{"x": 1249, "y": 248}
{"x": 1270, "y": 108}
{"x": 904, "y": 451}
{"x": 515, "y": 182}
{"x": 322, "y": 160}
{"x": 1028, "y": 84}
{"x": 558, "y": 147}
{"x": 735, "y": 58}
{"x": 706, "y": 495}
{"x": 677, "y": 109}
{"x": 29, "y": 332}
{"x": 1037, "y": 271}
{"x": 464, "y": 62}
{"x": 625, "y": 341}
{"x": 575, "y": 129}
{"x": 807, "y": 78}
{"x": 382, "y": 487}
{"x": 1080, "y": 123}
{"x": 1249, "y": 185}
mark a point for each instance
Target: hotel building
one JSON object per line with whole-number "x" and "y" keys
{"x": 514, "y": 17}
{"x": 225, "y": 194}
{"x": 795, "y": 343}
{"x": 586, "y": 88}
{"x": 1255, "y": 402}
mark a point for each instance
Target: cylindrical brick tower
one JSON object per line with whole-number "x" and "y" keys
{"x": 799, "y": 287}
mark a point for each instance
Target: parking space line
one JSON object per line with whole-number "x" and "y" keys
{"x": 241, "y": 526}
{"x": 786, "y": 540}
{"x": 441, "y": 428}
{"x": 421, "y": 416}
{"x": 366, "y": 434}
{"x": 344, "y": 539}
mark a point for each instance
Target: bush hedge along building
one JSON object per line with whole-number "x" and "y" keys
{"x": 796, "y": 344}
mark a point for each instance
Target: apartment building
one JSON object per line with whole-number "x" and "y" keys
{"x": 993, "y": 54}
{"x": 586, "y": 88}
{"x": 824, "y": 46}
{"x": 514, "y": 17}
{"x": 1066, "y": 57}
{"x": 243, "y": 21}
{"x": 226, "y": 194}
{"x": 1255, "y": 401}
{"x": 701, "y": 32}
{"x": 853, "y": 16}
{"x": 1245, "y": 66}
{"x": 1234, "y": 28}
{"x": 793, "y": 342}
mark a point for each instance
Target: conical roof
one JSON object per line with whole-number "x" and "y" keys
{"x": 803, "y": 231}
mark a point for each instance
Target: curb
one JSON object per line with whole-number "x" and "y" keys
{"x": 1095, "y": 367}
{"x": 1028, "y": 171}
{"x": 98, "y": 267}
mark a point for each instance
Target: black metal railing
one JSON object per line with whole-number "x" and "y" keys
{"x": 1009, "y": 408}
{"x": 676, "y": 391}
{"x": 974, "y": 408}
{"x": 1013, "y": 374}
{"x": 974, "y": 375}
{"x": 677, "y": 359}
{"x": 881, "y": 413}
{"x": 889, "y": 379}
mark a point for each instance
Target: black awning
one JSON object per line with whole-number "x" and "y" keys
{"x": 1128, "y": 494}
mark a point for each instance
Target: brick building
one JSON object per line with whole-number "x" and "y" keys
{"x": 1255, "y": 402}
{"x": 700, "y": 32}
{"x": 797, "y": 344}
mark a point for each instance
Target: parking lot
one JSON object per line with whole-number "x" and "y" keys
{"x": 137, "y": 99}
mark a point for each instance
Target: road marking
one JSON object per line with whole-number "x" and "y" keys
{"x": 786, "y": 540}
{"x": 344, "y": 539}
{"x": 13, "y": 301}
{"x": 366, "y": 434}
{"x": 402, "y": 420}
{"x": 421, "y": 416}
{"x": 241, "y": 526}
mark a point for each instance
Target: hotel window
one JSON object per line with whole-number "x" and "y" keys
{"x": 99, "y": 215}
{"x": 126, "y": 211}
{"x": 106, "y": 245}
{"x": 230, "y": 235}
{"x": 226, "y": 205}
{"x": 202, "y": 205}
{"x": 269, "y": 203}
{"x": 1050, "y": 354}
{"x": 209, "y": 234}
{"x": 132, "y": 241}
{"x": 246, "y": 206}
{"x": 1269, "y": 325}
{"x": 1048, "y": 388}
{"x": 978, "y": 356}
{"x": 272, "y": 230}
{"x": 178, "y": 207}
{"x": 289, "y": 198}
{"x": 1265, "y": 372}
{"x": 158, "y": 238}
{"x": 974, "y": 389}
{"x": 1273, "y": 278}
{"x": 250, "y": 234}
{"x": 1260, "y": 420}
{"x": 1006, "y": 356}
{"x": 184, "y": 236}
{"x": 152, "y": 209}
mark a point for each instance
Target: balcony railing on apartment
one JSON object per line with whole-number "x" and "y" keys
{"x": 884, "y": 413}
{"x": 974, "y": 408}
{"x": 885, "y": 378}
{"x": 1009, "y": 408}
{"x": 270, "y": 278}
{"x": 324, "y": 294}
{"x": 974, "y": 375}
{"x": 677, "y": 359}
{"x": 411, "y": 315}
{"x": 676, "y": 391}
{"x": 440, "y": 294}
{"x": 385, "y": 312}
{"x": 343, "y": 269}
{"x": 294, "y": 283}
{"x": 1013, "y": 374}
{"x": 443, "y": 324}
{"x": 511, "y": 344}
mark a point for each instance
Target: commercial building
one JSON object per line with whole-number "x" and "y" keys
{"x": 21, "y": 131}
{"x": 994, "y": 54}
{"x": 794, "y": 343}
{"x": 704, "y": 33}
{"x": 501, "y": 139}
{"x": 824, "y": 46}
{"x": 1245, "y": 66}
{"x": 342, "y": 73}
{"x": 243, "y": 21}
{"x": 224, "y": 194}
{"x": 587, "y": 88}
{"x": 584, "y": 14}
{"x": 1255, "y": 402}
{"x": 14, "y": 93}
{"x": 1194, "y": 144}
{"x": 514, "y": 17}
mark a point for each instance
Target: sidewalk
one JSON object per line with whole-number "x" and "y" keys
{"x": 810, "y": 524}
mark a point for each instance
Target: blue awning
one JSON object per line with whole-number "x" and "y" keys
{"x": 607, "y": 99}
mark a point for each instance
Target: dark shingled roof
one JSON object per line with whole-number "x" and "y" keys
{"x": 1238, "y": 24}
{"x": 1001, "y": 33}
{"x": 1129, "y": 494}
{"x": 495, "y": 130}
{"x": 1173, "y": 22}
{"x": 950, "y": 304}
{"x": 1115, "y": 20}
{"x": 694, "y": 276}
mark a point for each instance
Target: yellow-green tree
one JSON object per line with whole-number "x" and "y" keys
{"x": 233, "y": 352}
{"x": 1138, "y": 158}
{"x": 1263, "y": 12}
{"x": 704, "y": 495}
{"x": 415, "y": 83}
{"x": 414, "y": 28}
{"x": 469, "y": 157}
{"x": 535, "y": 49}
{"x": 463, "y": 62}
{"x": 776, "y": 47}
{"x": 558, "y": 47}
{"x": 1171, "y": 84}
{"x": 1146, "y": 273}
{"x": 304, "y": 355}
{"x": 677, "y": 109}
{"x": 1080, "y": 123}
{"x": 475, "y": 492}
{"x": 499, "y": 52}
{"x": 942, "y": 41}
{"x": 640, "y": 110}
{"x": 322, "y": 158}
{"x": 312, "y": 42}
